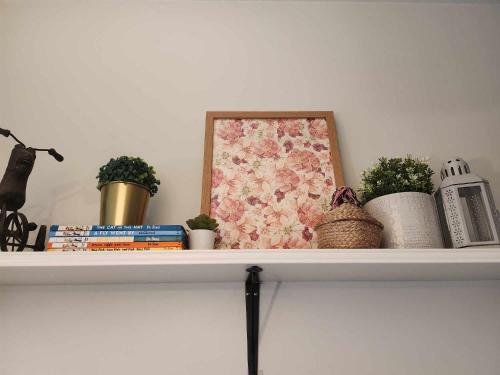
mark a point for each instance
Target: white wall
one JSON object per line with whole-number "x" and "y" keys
{"x": 100, "y": 79}
{"x": 448, "y": 328}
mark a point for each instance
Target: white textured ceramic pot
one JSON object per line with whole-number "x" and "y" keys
{"x": 410, "y": 220}
{"x": 201, "y": 239}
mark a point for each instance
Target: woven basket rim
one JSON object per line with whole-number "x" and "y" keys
{"x": 345, "y": 208}
{"x": 374, "y": 222}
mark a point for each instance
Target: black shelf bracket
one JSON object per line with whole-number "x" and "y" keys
{"x": 252, "y": 297}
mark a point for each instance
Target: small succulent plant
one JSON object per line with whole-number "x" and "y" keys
{"x": 202, "y": 222}
{"x": 396, "y": 175}
{"x": 129, "y": 169}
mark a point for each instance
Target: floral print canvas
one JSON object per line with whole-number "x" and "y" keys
{"x": 272, "y": 180}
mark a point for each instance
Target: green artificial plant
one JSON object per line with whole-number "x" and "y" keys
{"x": 396, "y": 175}
{"x": 202, "y": 222}
{"x": 129, "y": 169}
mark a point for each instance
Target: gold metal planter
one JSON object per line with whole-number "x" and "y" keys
{"x": 123, "y": 203}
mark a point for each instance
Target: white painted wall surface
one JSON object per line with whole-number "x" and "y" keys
{"x": 100, "y": 79}
{"x": 312, "y": 329}
{"x": 103, "y": 78}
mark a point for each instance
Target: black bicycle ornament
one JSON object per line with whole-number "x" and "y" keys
{"x": 14, "y": 227}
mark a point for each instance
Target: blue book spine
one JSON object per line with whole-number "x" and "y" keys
{"x": 60, "y": 228}
{"x": 74, "y": 239}
{"x": 114, "y": 233}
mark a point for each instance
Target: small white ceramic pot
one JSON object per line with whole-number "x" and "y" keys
{"x": 201, "y": 239}
{"x": 410, "y": 220}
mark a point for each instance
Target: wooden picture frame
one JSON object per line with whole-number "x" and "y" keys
{"x": 299, "y": 136}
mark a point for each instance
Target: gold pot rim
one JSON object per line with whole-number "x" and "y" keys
{"x": 125, "y": 182}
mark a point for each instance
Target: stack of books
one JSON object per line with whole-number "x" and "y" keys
{"x": 116, "y": 237}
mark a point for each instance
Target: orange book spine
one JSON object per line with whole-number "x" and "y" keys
{"x": 125, "y": 245}
{"x": 113, "y": 245}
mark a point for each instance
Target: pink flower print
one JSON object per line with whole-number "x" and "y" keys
{"x": 238, "y": 232}
{"x": 253, "y": 201}
{"x": 254, "y": 236}
{"x": 260, "y": 180}
{"x": 237, "y": 160}
{"x": 279, "y": 195}
{"x": 270, "y": 123}
{"x": 230, "y": 131}
{"x": 291, "y": 127}
{"x": 304, "y": 161}
{"x": 267, "y": 148}
{"x": 287, "y": 180}
{"x": 230, "y": 210}
{"x": 225, "y": 151}
{"x": 328, "y": 188}
{"x": 273, "y": 216}
{"x": 313, "y": 183}
{"x": 282, "y": 230}
{"x": 288, "y": 146}
{"x": 218, "y": 239}
{"x": 306, "y": 234}
{"x": 251, "y": 133}
{"x": 231, "y": 184}
{"x": 214, "y": 203}
{"x": 270, "y": 243}
{"x": 307, "y": 144}
{"x": 309, "y": 214}
{"x": 280, "y": 132}
{"x": 296, "y": 242}
{"x": 217, "y": 177}
{"x": 294, "y": 129}
{"x": 318, "y": 129}
{"x": 261, "y": 185}
{"x": 269, "y": 134}
{"x": 318, "y": 147}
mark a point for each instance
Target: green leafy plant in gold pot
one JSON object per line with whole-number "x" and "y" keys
{"x": 126, "y": 184}
{"x": 397, "y": 192}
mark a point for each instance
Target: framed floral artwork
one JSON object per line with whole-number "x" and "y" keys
{"x": 268, "y": 177}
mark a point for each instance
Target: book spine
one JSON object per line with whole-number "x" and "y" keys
{"x": 59, "y": 228}
{"x": 112, "y": 245}
{"x": 112, "y": 233}
{"x": 120, "y": 249}
{"x": 116, "y": 239}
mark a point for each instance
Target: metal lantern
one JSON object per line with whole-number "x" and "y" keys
{"x": 466, "y": 207}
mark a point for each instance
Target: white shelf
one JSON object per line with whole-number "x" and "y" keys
{"x": 229, "y": 265}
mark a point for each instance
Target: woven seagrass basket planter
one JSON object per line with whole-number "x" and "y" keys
{"x": 348, "y": 227}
